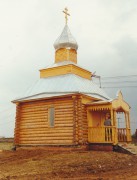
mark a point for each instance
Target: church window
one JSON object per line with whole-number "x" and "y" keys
{"x": 51, "y": 116}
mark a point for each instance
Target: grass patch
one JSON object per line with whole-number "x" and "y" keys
{"x": 6, "y": 145}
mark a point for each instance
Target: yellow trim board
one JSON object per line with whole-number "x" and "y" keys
{"x": 66, "y": 69}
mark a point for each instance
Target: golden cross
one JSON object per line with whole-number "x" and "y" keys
{"x": 66, "y": 14}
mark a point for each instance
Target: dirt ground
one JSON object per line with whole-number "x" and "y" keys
{"x": 39, "y": 164}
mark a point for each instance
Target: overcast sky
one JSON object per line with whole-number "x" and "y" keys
{"x": 105, "y": 30}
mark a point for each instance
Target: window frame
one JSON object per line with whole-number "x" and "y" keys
{"x": 51, "y": 116}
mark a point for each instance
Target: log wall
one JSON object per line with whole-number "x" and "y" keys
{"x": 81, "y": 123}
{"x": 32, "y": 125}
{"x": 85, "y": 124}
{"x": 70, "y": 125}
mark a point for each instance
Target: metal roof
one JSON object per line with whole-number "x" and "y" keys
{"x": 69, "y": 83}
{"x": 66, "y": 40}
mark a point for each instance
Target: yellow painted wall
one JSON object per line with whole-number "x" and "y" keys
{"x": 95, "y": 119}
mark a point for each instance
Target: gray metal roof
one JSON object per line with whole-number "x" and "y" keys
{"x": 66, "y": 40}
{"x": 64, "y": 84}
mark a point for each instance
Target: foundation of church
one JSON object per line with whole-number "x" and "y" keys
{"x": 101, "y": 147}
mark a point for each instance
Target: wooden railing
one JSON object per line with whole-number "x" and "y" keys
{"x": 102, "y": 134}
{"x": 124, "y": 135}
{"x": 108, "y": 134}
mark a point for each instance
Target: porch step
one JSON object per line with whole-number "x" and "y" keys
{"x": 128, "y": 148}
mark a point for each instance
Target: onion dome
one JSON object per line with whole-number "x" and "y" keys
{"x": 66, "y": 40}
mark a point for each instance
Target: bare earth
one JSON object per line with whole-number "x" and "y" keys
{"x": 38, "y": 164}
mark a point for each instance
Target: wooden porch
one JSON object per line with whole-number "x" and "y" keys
{"x": 109, "y": 134}
{"x": 100, "y": 133}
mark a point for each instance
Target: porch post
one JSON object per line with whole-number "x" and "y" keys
{"x": 127, "y": 127}
{"x": 89, "y": 125}
{"x": 128, "y": 120}
{"x": 114, "y": 118}
{"x": 115, "y": 127}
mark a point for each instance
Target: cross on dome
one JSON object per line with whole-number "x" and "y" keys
{"x": 66, "y": 14}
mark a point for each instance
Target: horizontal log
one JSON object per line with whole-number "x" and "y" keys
{"x": 33, "y": 126}
{"x": 34, "y": 115}
{"x": 54, "y": 142}
{"x": 64, "y": 115}
{"x": 18, "y": 131}
{"x": 41, "y": 113}
{"x": 29, "y": 122}
{"x": 65, "y": 109}
{"x": 44, "y": 135}
{"x": 64, "y": 125}
{"x": 35, "y": 112}
{"x": 36, "y": 135}
{"x": 40, "y": 109}
{"x": 63, "y": 118}
{"x": 58, "y": 104}
{"x": 33, "y": 120}
{"x": 65, "y": 121}
{"x": 36, "y": 120}
{"x": 57, "y": 110}
{"x": 46, "y": 104}
{"x": 44, "y": 138}
{"x": 44, "y": 128}
{"x": 61, "y": 99}
{"x": 45, "y": 123}
{"x": 46, "y": 132}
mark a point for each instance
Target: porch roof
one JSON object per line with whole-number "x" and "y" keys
{"x": 117, "y": 104}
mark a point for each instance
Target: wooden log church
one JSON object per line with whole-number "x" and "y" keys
{"x": 65, "y": 109}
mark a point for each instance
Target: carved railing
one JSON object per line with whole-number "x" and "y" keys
{"x": 102, "y": 134}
